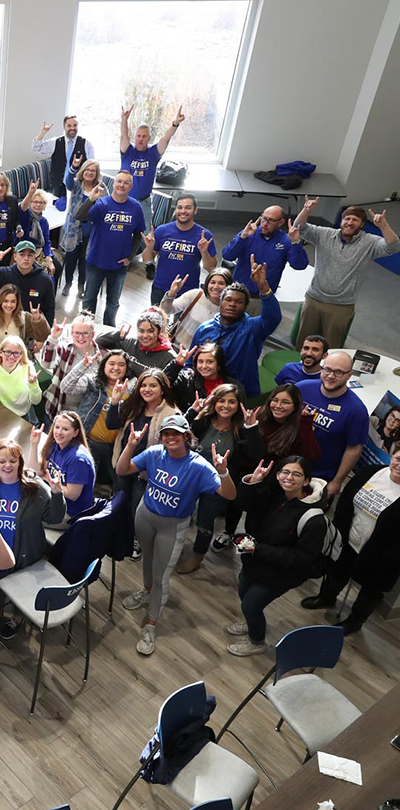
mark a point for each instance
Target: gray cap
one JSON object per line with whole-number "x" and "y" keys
{"x": 175, "y": 422}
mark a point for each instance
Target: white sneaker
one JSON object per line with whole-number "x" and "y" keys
{"x": 246, "y": 647}
{"x": 237, "y": 628}
{"x": 146, "y": 645}
{"x": 137, "y": 551}
{"x": 136, "y": 600}
{"x": 222, "y": 541}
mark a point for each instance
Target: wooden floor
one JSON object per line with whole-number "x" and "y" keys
{"x": 82, "y": 744}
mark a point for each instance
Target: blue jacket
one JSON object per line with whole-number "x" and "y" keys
{"x": 242, "y": 341}
{"x": 276, "y": 251}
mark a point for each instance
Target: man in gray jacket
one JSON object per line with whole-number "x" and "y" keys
{"x": 341, "y": 257}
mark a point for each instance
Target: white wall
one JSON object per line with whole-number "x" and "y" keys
{"x": 39, "y": 52}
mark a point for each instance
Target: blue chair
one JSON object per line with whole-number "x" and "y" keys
{"x": 314, "y": 709}
{"x": 217, "y": 804}
{"x": 214, "y": 773}
{"x": 46, "y": 599}
{"x": 61, "y": 807}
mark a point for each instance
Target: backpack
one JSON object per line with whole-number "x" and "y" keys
{"x": 333, "y": 542}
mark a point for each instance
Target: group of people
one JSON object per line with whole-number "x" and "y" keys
{"x": 165, "y": 411}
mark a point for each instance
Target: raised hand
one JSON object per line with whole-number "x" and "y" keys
{"x": 250, "y": 416}
{"x": 260, "y": 472}
{"x": 4, "y": 253}
{"x": 126, "y": 113}
{"x": 220, "y": 462}
{"x": 124, "y": 331}
{"x": 149, "y": 239}
{"x": 33, "y": 187}
{"x": 36, "y": 434}
{"x": 35, "y": 312}
{"x": 57, "y": 329}
{"x": 76, "y": 161}
{"x": 310, "y": 204}
{"x": 54, "y": 483}
{"x": 46, "y": 127}
{"x": 250, "y": 228}
{"x": 32, "y": 377}
{"x": 179, "y": 118}
{"x": 258, "y": 274}
{"x": 184, "y": 354}
{"x": 378, "y": 219}
{"x": 177, "y": 284}
{"x": 118, "y": 392}
{"x": 309, "y": 411}
{"x": 203, "y": 243}
{"x": 136, "y": 435}
{"x": 88, "y": 360}
{"x": 293, "y": 233}
{"x": 96, "y": 192}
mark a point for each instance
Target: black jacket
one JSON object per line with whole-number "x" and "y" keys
{"x": 35, "y": 287}
{"x": 281, "y": 559}
{"x": 379, "y": 560}
{"x": 185, "y": 382}
{"x": 12, "y": 221}
{"x": 200, "y": 427}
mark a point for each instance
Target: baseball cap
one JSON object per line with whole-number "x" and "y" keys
{"x": 24, "y": 245}
{"x": 175, "y": 422}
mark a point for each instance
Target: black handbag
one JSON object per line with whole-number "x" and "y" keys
{"x": 172, "y": 172}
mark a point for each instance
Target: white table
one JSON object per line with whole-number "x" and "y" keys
{"x": 55, "y": 218}
{"x": 376, "y": 385}
{"x": 206, "y": 177}
{"x": 294, "y": 284}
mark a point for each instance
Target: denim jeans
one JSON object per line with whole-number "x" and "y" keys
{"x": 115, "y": 282}
{"x": 209, "y": 507}
{"x": 147, "y": 212}
{"x": 254, "y": 598}
{"x": 72, "y": 257}
{"x": 102, "y": 455}
{"x": 157, "y": 295}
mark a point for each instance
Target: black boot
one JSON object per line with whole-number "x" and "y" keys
{"x": 364, "y": 605}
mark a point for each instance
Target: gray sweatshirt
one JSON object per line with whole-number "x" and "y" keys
{"x": 339, "y": 265}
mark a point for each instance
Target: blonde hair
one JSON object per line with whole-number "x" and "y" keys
{"x": 7, "y": 182}
{"x": 15, "y": 341}
{"x": 79, "y": 174}
{"x": 40, "y": 193}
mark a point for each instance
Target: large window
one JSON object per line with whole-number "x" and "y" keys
{"x": 156, "y": 55}
{"x": 3, "y": 62}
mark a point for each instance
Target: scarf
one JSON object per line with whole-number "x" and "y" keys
{"x": 36, "y": 233}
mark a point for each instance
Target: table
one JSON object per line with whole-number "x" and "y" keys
{"x": 376, "y": 385}
{"x": 55, "y": 218}
{"x": 367, "y": 740}
{"x": 318, "y": 185}
{"x": 206, "y": 177}
{"x": 294, "y": 284}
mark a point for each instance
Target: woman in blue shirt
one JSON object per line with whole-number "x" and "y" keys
{"x": 66, "y": 453}
{"x": 176, "y": 476}
{"x": 36, "y": 229}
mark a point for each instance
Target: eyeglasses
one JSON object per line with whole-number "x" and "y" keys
{"x": 270, "y": 219}
{"x": 39, "y": 202}
{"x": 287, "y": 473}
{"x": 335, "y": 372}
{"x": 81, "y": 334}
{"x": 394, "y": 419}
{"x": 11, "y": 354}
{"x": 277, "y": 401}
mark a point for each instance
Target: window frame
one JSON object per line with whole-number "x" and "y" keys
{"x": 4, "y": 45}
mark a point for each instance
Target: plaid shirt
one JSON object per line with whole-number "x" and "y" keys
{"x": 58, "y": 357}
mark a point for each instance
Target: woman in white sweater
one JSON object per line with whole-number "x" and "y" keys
{"x": 194, "y": 306}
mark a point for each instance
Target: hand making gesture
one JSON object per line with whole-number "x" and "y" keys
{"x": 378, "y": 219}
{"x": 184, "y": 354}
{"x": 54, "y": 483}
{"x": 76, "y": 161}
{"x": 118, "y": 392}
{"x": 250, "y": 228}
{"x": 45, "y": 129}
{"x": 36, "y": 435}
{"x": 309, "y": 205}
{"x": 126, "y": 113}
{"x": 124, "y": 330}
{"x": 179, "y": 118}
{"x": 258, "y": 274}
{"x": 250, "y": 416}
{"x": 203, "y": 243}
{"x": 97, "y": 192}
{"x": 57, "y": 329}
{"x": 4, "y": 253}
{"x": 260, "y": 472}
{"x": 149, "y": 239}
{"x": 88, "y": 360}
{"x": 200, "y": 402}
{"x": 32, "y": 377}
{"x": 177, "y": 284}
{"x": 293, "y": 233}
{"x": 135, "y": 436}
{"x": 220, "y": 462}
{"x": 35, "y": 312}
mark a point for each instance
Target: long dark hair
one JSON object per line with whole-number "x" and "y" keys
{"x": 50, "y": 441}
{"x": 17, "y": 316}
{"x": 100, "y": 378}
{"x": 27, "y": 478}
{"x": 280, "y": 437}
{"x": 395, "y": 433}
{"x": 135, "y": 405}
{"x": 303, "y": 462}
{"x": 218, "y": 393}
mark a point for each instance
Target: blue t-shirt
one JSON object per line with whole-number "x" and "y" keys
{"x": 76, "y": 466}
{"x": 339, "y": 423}
{"x": 178, "y": 253}
{"x": 114, "y": 225}
{"x": 3, "y": 221}
{"x": 174, "y": 484}
{"x": 142, "y": 166}
{"x": 10, "y": 496}
{"x": 293, "y": 373}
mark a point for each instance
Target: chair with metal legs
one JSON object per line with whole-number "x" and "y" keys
{"x": 46, "y": 599}
{"x": 213, "y": 773}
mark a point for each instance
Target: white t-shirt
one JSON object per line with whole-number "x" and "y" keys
{"x": 376, "y": 495}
